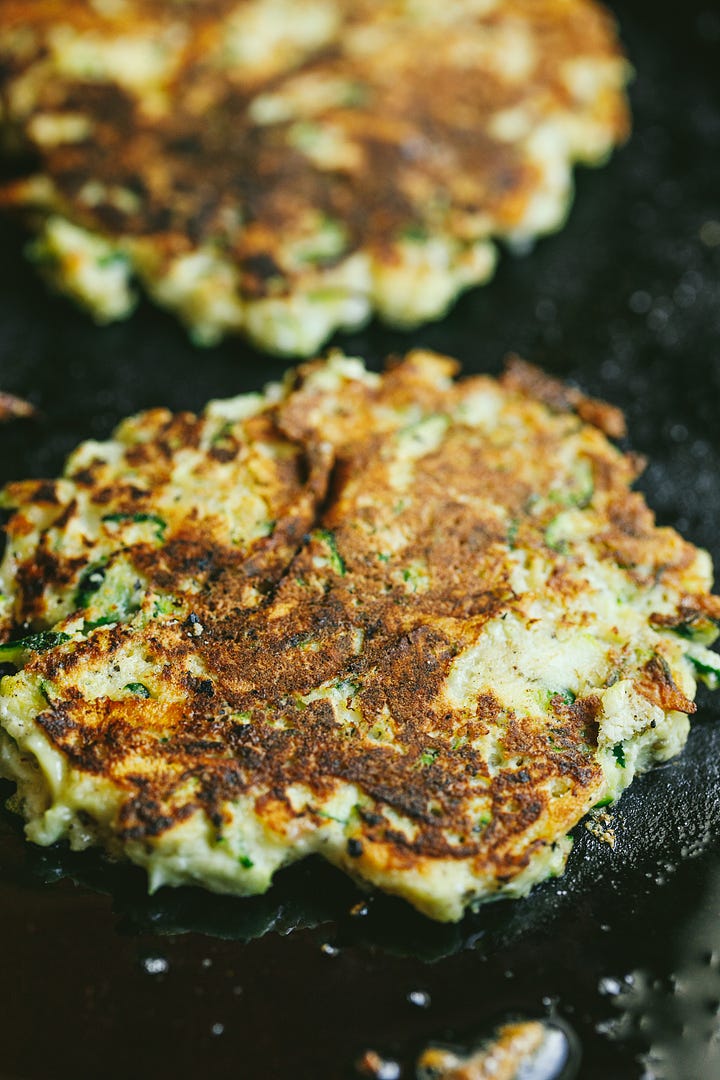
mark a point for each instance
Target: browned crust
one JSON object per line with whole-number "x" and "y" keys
{"x": 690, "y": 610}
{"x": 560, "y": 397}
{"x": 422, "y": 154}
{"x": 657, "y": 685}
{"x": 228, "y": 675}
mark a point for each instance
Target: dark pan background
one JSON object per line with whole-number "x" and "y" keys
{"x": 99, "y": 980}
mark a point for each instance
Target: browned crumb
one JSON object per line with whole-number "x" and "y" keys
{"x": 599, "y": 825}
{"x": 15, "y": 408}
{"x": 513, "y": 1046}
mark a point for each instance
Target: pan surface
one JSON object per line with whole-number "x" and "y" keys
{"x": 624, "y": 950}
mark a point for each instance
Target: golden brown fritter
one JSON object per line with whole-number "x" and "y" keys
{"x": 417, "y": 625}
{"x": 286, "y": 168}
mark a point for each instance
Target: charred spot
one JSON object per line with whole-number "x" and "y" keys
{"x": 224, "y": 454}
{"x": 84, "y": 477}
{"x": 46, "y": 492}
{"x": 196, "y": 747}
{"x": 57, "y": 725}
{"x": 105, "y": 495}
{"x": 144, "y": 817}
{"x": 184, "y": 555}
{"x": 66, "y": 515}
{"x": 201, "y": 226}
{"x": 158, "y": 219}
{"x": 136, "y": 184}
{"x": 321, "y": 714}
{"x": 78, "y": 743}
{"x": 219, "y": 781}
{"x": 196, "y": 685}
{"x": 190, "y": 144}
{"x": 514, "y": 809}
{"x": 110, "y": 217}
{"x": 261, "y": 266}
{"x": 45, "y": 570}
{"x": 584, "y": 712}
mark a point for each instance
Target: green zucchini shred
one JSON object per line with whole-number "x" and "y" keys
{"x": 336, "y": 560}
{"x": 414, "y": 233}
{"x": 553, "y": 539}
{"x": 138, "y": 689}
{"x": 428, "y": 756}
{"x": 104, "y": 620}
{"x": 139, "y": 519}
{"x": 708, "y": 671}
{"x": 15, "y": 652}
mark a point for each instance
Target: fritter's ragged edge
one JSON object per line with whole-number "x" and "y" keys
{"x": 418, "y": 626}
{"x": 285, "y": 169}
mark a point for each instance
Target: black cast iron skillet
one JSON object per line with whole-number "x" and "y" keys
{"x": 624, "y": 951}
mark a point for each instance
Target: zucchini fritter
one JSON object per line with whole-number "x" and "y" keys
{"x": 287, "y": 168}
{"x": 416, "y": 625}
